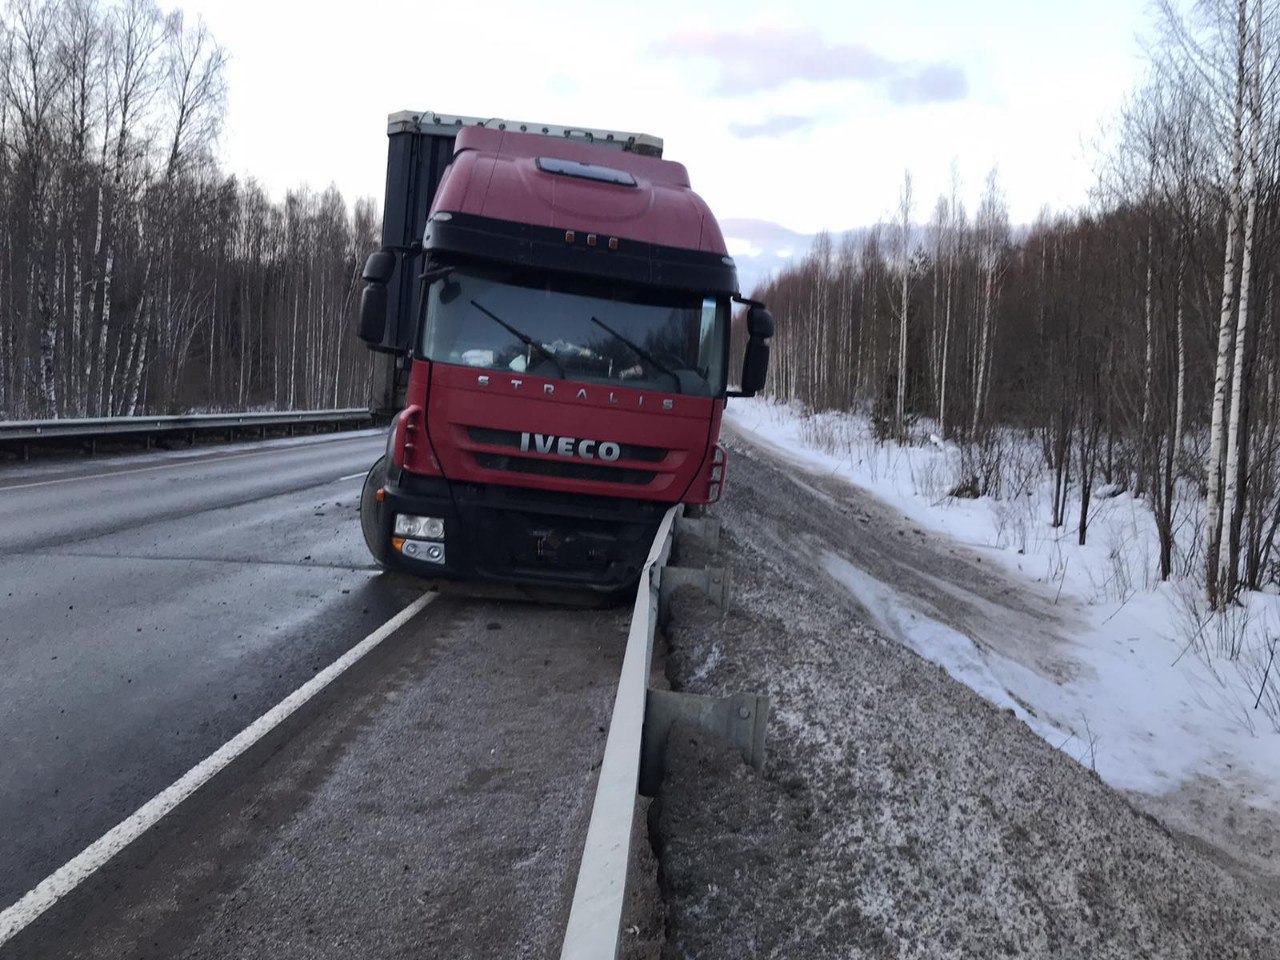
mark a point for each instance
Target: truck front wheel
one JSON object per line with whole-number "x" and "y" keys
{"x": 371, "y": 511}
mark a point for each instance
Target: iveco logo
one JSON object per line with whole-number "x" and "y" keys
{"x": 569, "y": 447}
{"x": 549, "y": 389}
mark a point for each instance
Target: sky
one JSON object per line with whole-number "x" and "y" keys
{"x": 804, "y": 115}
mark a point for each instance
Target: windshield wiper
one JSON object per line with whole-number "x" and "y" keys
{"x": 524, "y": 338}
{"x": 641, "y": 352}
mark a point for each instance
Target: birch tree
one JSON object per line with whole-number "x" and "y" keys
{"x": 904, "y": 270}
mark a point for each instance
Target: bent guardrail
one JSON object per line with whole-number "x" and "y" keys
{"x": 634, "y": 751}
{"x": 595, "y": 919}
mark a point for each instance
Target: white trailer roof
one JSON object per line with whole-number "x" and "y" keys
{"x": 427, "y": 121}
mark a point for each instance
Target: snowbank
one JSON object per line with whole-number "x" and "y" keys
{"x": 1153, "y": 695}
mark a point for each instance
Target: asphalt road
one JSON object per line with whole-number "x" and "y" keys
{"x": 432, "y": 801}
{"x": 153, "y": 606}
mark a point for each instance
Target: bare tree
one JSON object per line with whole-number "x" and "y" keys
{"x": 904, "y": 268}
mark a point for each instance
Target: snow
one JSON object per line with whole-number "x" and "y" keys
{"x": 1136, "y": 680}
{"x": 935, "y": 641}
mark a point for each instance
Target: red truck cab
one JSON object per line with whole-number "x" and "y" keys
{"x": 566, "y": 351}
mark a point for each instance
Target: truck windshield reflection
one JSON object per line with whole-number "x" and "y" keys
{"x": 566, "y": 328}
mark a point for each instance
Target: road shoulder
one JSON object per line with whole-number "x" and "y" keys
{"x": 900, "y": 812}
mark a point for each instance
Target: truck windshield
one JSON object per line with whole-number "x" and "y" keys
{"x": 579, "y": 330}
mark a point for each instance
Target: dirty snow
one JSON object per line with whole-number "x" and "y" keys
{"x": 899, "y": 814}
{"x": 1142, "y": 688}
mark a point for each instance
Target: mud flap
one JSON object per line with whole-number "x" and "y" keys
{"x": 371, "y": 511}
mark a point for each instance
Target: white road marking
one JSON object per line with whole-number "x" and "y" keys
{"x": 66, "y": 878}
{"x": 350, "y": 476}
{"x": 175, "y": 463}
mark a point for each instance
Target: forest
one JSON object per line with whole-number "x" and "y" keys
{"x": 1136, "y": 340}
{"x": 135, "y": 275}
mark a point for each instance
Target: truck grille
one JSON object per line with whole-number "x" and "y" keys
{"x": 511, "y": 438}
{"x": 566, "y": 469}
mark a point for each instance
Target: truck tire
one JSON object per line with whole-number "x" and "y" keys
{"x": 371, "y": 511}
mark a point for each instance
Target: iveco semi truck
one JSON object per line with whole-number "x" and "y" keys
{"x": 551, "y": 307}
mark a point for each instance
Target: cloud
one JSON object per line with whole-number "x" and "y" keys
{"x": 939, "y": 83}
{"x": 771, "y": 127}
{"x": 751, "y": 61}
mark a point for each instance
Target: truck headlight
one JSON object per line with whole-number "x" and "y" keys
{"x": 425, "y": 528}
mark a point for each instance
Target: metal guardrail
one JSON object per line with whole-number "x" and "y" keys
{"x": 634, "y": 753}
{"x": 23, "y": 433}
{"x": 595, "y": 919}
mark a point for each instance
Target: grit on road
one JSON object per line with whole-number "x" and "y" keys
{"x": 432, "y": 801}
{"x": 154, "y": 606}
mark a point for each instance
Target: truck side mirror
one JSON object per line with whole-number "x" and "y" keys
{"x": 759, "y": 322}
{"x": 755, "y": 363}
{"x": 373, "y": 313}
{"x": 755, "y": 366}
{"x": 378, "y": 269}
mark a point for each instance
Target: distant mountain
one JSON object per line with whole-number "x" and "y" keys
{"x": 761, "y": 247}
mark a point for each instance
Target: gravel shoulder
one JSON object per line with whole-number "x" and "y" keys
{"x": 900, "y": 814}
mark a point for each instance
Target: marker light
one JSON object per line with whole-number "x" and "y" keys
{"x": 428, "y": 528}
{"x": 715, "y": 475}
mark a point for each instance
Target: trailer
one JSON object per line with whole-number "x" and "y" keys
{"x": 551, "y": 309}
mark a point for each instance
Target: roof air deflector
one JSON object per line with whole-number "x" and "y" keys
{"x": 586, "y": 171}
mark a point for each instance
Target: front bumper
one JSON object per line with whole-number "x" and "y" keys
{"x": 523, "y": 536}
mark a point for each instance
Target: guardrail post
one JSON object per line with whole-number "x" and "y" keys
{"x": 741, "y": 718}
{"x": 713, "y": 581}
{"x": 706, "y": 529}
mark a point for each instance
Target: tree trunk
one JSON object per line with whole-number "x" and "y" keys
{"x": 1226, "y": 329}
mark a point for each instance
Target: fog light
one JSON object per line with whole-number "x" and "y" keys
{"x": 423, "y": 550}
{"x": 428, "y": 528}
